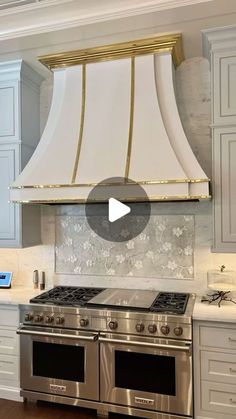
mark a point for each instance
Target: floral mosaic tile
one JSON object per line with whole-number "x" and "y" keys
{"x": 163, "y": 250}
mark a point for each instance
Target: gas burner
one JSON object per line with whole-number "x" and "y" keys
{"x": 67, "y": 296}
{"x": 170, "y": 303}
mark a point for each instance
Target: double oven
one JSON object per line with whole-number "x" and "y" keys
{"x": 108, "y": 369}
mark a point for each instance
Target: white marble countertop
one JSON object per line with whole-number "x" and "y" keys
{"x": 18, "y": 295}
{"x": 212, "y": 312}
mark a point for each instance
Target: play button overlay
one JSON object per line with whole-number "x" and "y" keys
{"x": 117, "y": 209}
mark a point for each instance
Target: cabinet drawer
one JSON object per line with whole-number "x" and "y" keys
{"x": 9, "y": 342}
{"x": 9, "y": 367}
{"x": 217, "y": 337}
{"x": 219, "y": 398}
{"x": 218, "y": 367}
{"x": 9, "y": 317}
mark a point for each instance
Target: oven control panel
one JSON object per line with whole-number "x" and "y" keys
{"x": 147, "y": 328}
{"x": 54, "y": 318}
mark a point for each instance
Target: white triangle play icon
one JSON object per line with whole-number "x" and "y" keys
{"x": 117, "y": 210}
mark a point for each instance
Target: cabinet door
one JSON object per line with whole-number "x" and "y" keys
{"x": 224, "y": 149}
{"x": 7, "y": 210}
{"x": 224, "y": 87}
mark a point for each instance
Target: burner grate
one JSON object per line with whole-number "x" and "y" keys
{"x": 67, "y": 296}
{"x": 170, "y": 303}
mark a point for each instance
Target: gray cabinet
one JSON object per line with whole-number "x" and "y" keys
{"x": 214, "y": 370}
{"x": 220, "y": 48}
{"x": 19, "y": 135}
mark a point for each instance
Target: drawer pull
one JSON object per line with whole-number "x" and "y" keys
{"x": 232, "y": 340}
{"x": 232, "y": 401}
{"x": 232, "y": 371}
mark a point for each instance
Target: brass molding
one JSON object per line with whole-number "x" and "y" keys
{"x": 156, "y": 44}
{"x": 141, "y": 182}
{"x": 131, "y": 117}
{"x": 126, "y": 199}
{"x": 81, "y": 129}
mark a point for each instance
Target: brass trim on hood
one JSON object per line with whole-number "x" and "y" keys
{"x": 126, "y": 199}
{"x": 157, "y": 44}
{"x": 81, "y": 129}
{"x": 131, "y": 118}
{"x": 141, "y": 182}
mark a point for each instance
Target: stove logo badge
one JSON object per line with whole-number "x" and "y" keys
{"x": 141, "y": 400}
{"x": 54, "y": 387}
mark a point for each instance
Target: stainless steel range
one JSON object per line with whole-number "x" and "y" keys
{"x": 114, "y": 350}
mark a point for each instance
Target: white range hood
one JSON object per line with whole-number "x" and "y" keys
{"x": 113, "y": 114}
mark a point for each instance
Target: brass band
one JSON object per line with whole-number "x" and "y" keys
{"x": 81, "y": 124}
{"x": 169, "y": 43}
{"x": 83, "y": 201}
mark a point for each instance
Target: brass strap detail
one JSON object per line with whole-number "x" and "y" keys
{"x": 140, "y": 182}
{"x": 125, "y": 199}
{"x": 131, "y": 118}
{"x": 81, "y": 124}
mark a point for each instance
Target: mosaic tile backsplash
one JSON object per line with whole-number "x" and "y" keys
{"x": 163, "y": 250}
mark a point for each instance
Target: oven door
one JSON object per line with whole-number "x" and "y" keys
{"x": 59, "y": 361}
{"x": 149, "y": 373}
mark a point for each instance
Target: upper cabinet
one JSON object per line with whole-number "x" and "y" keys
{"x": 220, "y": 48}
{"x": 19, "y": 135}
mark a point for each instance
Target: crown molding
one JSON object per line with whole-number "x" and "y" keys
{"x": 54, "y": 15}
{"x": 216, "y": 39}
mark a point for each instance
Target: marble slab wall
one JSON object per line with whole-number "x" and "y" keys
{"x": 164, "y": 249}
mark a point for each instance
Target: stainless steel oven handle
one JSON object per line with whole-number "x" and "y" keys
{"x": 186, "y": 348}
{"x": 55, "y": 335}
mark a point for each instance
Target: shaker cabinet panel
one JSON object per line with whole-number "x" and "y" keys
{"x": 7, "y": 210}
{"x": 224, "y": 91}
{"x": 224, "y": 151}
{"x": 9, "y": 130}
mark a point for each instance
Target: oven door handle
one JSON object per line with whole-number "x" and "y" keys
{"x": 22, "y": 331}
{"x": 186, "y": 348}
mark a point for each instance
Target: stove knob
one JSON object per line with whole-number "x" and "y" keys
{"x": 139, "y": 327}
{"x": 152, "y": 328}
{"x": 59, "y": 320}
{"x": 165, "y": 330}
{"x": 49, "y": 319}
{"x": 38, "y": 318}
{"x": 178, "y": 331}
{"x": 83, "y": 322}
{"x": 28, "y": 317}
{"x": 113, "y": 325}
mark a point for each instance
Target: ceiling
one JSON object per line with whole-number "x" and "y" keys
{"x": 48, "y": 26}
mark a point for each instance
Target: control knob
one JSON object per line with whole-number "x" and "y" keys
{"x": 113, "y": 324}
{"x": 152, "y": 328}
{"x": 178, "y": 331}
{"x": 28, "y": 317}
{"x": 49, "y": 319}
{"x": 83, "y": 322}
{"x": 38, "y": 318}
{"x": 139, "y": 327}
{"x": 165, "y": 330}
{"x": 59, "y": 320}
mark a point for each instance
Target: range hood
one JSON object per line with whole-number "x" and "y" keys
{"x": 113, "y": 114}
